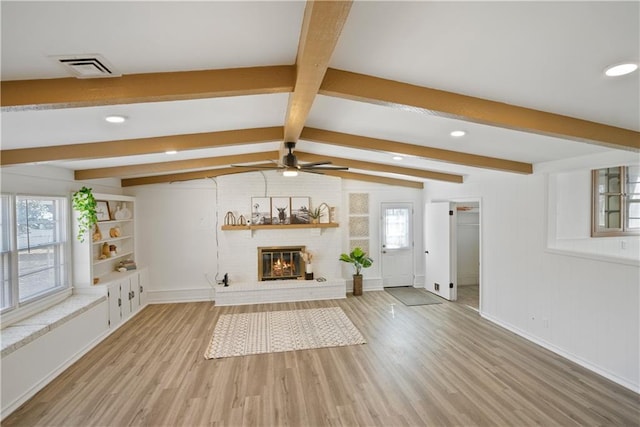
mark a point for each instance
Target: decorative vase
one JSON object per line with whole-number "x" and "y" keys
{"x": 357, "y": 284}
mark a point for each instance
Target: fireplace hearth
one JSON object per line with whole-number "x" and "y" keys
{"x": 280, "y": 262}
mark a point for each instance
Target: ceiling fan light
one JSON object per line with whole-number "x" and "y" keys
{"x": 290, "y": 173}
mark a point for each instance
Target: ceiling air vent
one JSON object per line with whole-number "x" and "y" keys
{"x": 87, "y": 66}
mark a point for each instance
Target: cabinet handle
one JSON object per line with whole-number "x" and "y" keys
{"x": 119, "y": 302}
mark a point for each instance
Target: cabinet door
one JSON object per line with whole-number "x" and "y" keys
{"x": 143, "y": 286}
{"x": 134, "y": 292}
{"x": 124, "y": 295}
{"x": 115, "y": 302}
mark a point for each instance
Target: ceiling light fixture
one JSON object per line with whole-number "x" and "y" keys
{"x": 170, "y": 152}
{"x": 398, "y": 158}
{"x": 290, "y": 173}
{"x": 116, "y": 119}
{"x": 620, "y": 69}
{"x": 458, "y": 133}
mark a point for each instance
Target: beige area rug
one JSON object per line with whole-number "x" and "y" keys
{"x": 275, "y": 331}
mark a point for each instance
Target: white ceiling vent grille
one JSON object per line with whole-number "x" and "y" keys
{"x": 87, "y": 66}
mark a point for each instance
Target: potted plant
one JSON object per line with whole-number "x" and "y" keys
{"x": 359, "y": 259}
{"x": 315, "y": 215}
{"x": 85, "y": 204}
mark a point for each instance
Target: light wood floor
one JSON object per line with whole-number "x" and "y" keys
{"x": 469, "y": 295}
{"x": 429, "y": 365}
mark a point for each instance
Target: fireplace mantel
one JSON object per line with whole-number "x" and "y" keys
{"x": 276, "y": 226}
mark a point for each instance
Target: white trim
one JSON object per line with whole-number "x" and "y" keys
{"x": 567, "y": 355}
{"x": 179, "y": 295}
{"x": 595, "y": 257}
{"x": 27, "y": 310}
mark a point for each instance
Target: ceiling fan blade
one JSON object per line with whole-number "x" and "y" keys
{"x": 314, "y": 164}
{"x": 257, "y": 167}
{"x": 334, "y": 168}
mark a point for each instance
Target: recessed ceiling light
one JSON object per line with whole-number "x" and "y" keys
{"x": 170, "y": 152}
{"x": 115, "y": 119}
{"x": 458, "y": 133}
{"x": 290, "y": 172}
{"x": 397, "y": 158}
{"x": 620, "y": 69}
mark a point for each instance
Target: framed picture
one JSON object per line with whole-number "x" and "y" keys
{"x": 261, "y": 210}
{"x": 102, "y": 211}
{"x": 300, "y": 210}
{"x": 280, "y": 210}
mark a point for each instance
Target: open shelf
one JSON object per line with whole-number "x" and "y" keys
{"x": 277, "y": 226}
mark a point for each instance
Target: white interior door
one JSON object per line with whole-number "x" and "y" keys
{"x": 397, "y": 244}
{"x": 440, "y": 249}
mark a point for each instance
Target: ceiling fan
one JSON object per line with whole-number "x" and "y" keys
{"x": 290, "y": 166}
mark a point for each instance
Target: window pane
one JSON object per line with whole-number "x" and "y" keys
{"x": 633, "y": 197}
{"x": 5, "y": 255}
{"x": 39, "y": 270}
{"x": 396, "y": 226}
{"x": 40, "y": 238}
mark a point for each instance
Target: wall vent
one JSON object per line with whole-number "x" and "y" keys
{"x": 89, "y": 66}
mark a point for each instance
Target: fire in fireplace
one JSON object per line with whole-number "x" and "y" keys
{"x": 280, "y": 262}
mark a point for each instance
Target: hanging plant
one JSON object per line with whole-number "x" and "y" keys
{"x": 85, "y": 204}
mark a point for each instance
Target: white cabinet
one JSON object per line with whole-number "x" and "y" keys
{"x": 126, "y": 296}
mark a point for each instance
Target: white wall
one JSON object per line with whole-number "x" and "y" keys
{"x": 379, "y": 194}
{"x": 180, "y": 240}
{"x": 584, "y": 309}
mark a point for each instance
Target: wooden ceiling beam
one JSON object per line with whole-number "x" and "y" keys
{"x": 162, "y": 167}
{"x": 151, "y": 87}
{"x": 321, "y": 27}
{"x": 376, "y": 179}
{"x": 130, "y": 147}
{"x": 380, "y": 167}
{"x": 366, "y": 143}
{"x": 184, "y": 176}
{"x": 360, "y": 87}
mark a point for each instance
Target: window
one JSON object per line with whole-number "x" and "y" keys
{"x": 616, "y": 201}
{"x": 34, "y": 248}
{"x": 397, "y": 228}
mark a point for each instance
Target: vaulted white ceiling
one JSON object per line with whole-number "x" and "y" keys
{"x": 546, "y": 56}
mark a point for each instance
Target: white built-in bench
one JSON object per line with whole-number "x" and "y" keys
{"x": 23, "y": 332}
{"x": 37, "y": 349}
{"x": 272, "y": 291}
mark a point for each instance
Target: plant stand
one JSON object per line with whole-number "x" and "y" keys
{"x": 357, "y": 284}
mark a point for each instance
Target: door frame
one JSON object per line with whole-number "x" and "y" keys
{"x": 412, "y": 249}
{"x": 480, "y": 240}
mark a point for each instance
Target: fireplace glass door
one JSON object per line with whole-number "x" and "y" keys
{"x": 280, "y": 262}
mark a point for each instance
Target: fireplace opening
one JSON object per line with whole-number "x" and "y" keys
{"x": 280, "y": 262}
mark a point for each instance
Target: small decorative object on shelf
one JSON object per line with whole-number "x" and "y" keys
{"x": 97, "y": 235}
{"x": 113, "y": 250}
{"x": 242, "y": 220}
{"x": 126, "y": 265}
{"x": 106, "y": 253}
{"x": 229, "y": 219}
{"x": 122, "y": 212}
{"x": 308, "y": 267}
{"x": 96, "y": 280}
{"x": 114, "y": 232}
{"x": 315, "y": 215}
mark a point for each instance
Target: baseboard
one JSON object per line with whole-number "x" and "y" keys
{"x": 567, "y": 355}
{"x": 180, "y": 295}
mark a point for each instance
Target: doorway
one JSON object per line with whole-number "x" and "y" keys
{"x": 468, "y": 253}
{"x": 452, "y": 251}
{"x": 396, "y": 240}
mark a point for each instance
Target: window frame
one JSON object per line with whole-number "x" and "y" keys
{"x": 623, "y": 200}
{"x": 62, "y": 248}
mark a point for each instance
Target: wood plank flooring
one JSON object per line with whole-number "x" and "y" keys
{"x": 469, "y": 295}
{"x": 435, "y": 365}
